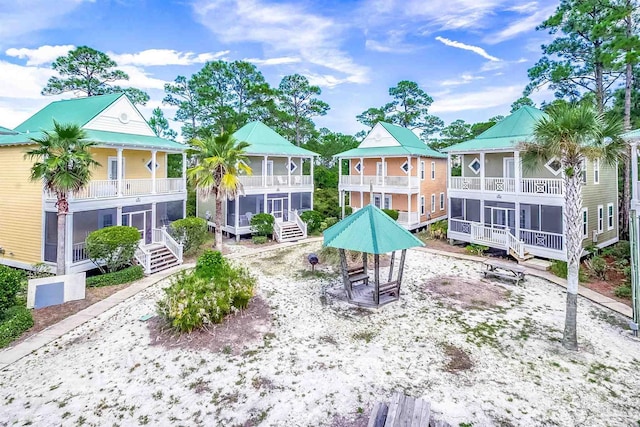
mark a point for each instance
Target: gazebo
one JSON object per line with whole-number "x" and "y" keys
{"x": 370, "y": 231}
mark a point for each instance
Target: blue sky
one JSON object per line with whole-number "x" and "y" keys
{"x": 471, "y": 56}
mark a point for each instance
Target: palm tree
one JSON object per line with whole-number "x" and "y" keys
{"x": 63, "y": 162}
{"x": 573, "y": 134}
{"x": 219, "y": 160}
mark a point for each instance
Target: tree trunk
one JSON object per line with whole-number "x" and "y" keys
{"x": 573, "y": 224}
{"x": 63, "y": 209}
{"x": 626, "y": 179}
{"x": 219, "y": 218}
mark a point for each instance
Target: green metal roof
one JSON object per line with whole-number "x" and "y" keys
{"x": 634, "y": 134}
{"x": 103, "y": 138}
{"x": 409, "y": 142}
{"x": 78, "y": 110}
{"x": 4, "y": 130}
{"x": 369, "y": 230}
{"x": 264, "y": 140}
{"x": 506, "y": 134}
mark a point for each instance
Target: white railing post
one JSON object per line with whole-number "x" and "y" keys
{"x": 153, "y": 171}
{"x": 482, "y": 183}
{"x": 120, "y": 174}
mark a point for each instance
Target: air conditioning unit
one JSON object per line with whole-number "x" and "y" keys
{"x": 594, "y": 236}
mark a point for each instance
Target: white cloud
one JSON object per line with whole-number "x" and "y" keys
{"x": 41, "y": 55}
{"x": 274, "y": 61}
{"x": 158, "y": 57}
{"x": 486, "y": 98}
{"x": 520, "y": 26}
{"x": 285, "y": 28}
{"x": 462, "y": 80}
{"x": 475, "y": 49}
{"x": 140, "y": 79}
{"x": 25, "y": 81}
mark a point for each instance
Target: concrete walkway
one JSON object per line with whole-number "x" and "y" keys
{"x": 12, "y": 354}
{"x": 603, "y": 300}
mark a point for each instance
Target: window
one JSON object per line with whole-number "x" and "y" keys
{"x": 433, "y": 170}
{"x": 610, "y": 223}
{"x": 387, "y": 202}
{"x": 600, "y": 218}
{"x": 292, "y": 166}
{"x": 441, "y": 201}
{"x": 405, "y": 167}
{"x": 358, "y": 167}
{"x": 585, "y": 223}
{"x": 596, "y": 171}
{"x": 149, "y": 163}
{"x": 433, "y": 203}
{"x": 421, "y": 205}
{"x": 475, "y": 166}
{"x": 554, "y": 166}
{"x": 422, "y": 170}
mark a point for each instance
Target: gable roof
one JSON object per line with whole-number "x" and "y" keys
{"x": 78, "y": 110}
{"x": 5, "y": 131}
{"x": 506, "y": 134}
{"x": 264, "y": 140}
{"x": 369, "y": 230}
{"x": 408, "y": 144}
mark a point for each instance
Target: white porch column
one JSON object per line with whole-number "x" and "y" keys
{"x": 361, "y": 199}
{"x": 68, "y": 256}
{"x": 409, "y": 172}
{"x": 312, "y": 160}
{"x": 448, "y": 170}
{"x": 184, "y": 171}
{"x": 409, "y": 207}
{"x": 384, "y": 175}
{"x": 154, "y": 223}
{"x": 264, "y": 174}
{"x": 312, "y": 200}
{"x": 340, "y": 172}
{"x": 289, "y": 171}
{"x": 120, "y": 174}
{"x": 361, "y": 172}
{"x": 634, "y": 171}
{"x": 264, "y": 208}
{"x": 119, "y": 215}
{"x": 517, "y": 173}
{"x": 237, "y": 218}
{"x": 153, "y": 171}
{"x": 482, "y": 171}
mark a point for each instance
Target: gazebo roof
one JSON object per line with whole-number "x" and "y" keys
{"x": 369, "y": 230}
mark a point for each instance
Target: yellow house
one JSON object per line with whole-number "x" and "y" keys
{"x": 130, "y": 187}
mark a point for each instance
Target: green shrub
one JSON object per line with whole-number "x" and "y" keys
{"x": 130, "y": 274}
{"x": 259, "y": 240}
{"x": 597, "y": 266}
{"x": 623, "y": 291}
{"x": 559, "y": 268}
{"x": 438, "y": 229}
{"x": 191, "y": 232}
{"x": 313, "y": 220}
{"x": 262, "y": 224}
{"x": 394, "y": 214}
{"x": 620, "y": 250}
{"x": 13, "y": 323}
{"x": 475, "y": 249}
{"x": 331, "y": 221}
{"x": 205, "y": 296}
{"x": 114, "y": 246}
{"x": 10, "y": 282}
{"x": 348, "y": 210}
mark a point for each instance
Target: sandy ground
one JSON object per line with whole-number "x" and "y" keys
{"x": 496, "y": 360}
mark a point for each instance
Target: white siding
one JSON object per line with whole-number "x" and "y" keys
{"x": 379, "y": 137}
{"x": 110, "y": 119}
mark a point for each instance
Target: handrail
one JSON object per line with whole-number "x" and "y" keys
{"x": 303, "y": 225}
{"x": 277, "y": 231}
{"x": 500, "y": 237}
{"x": 144, "y": 258}
{"x": 162, "y": 236}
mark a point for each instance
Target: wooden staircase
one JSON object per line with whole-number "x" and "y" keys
{"x": 526, "y": 256}
{"x": 289, "y": 232}
{"x": 164, "y": 252}
{"x": 161, "y": 258}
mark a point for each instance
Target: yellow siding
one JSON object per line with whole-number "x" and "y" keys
{"x": 20, "y": 208}
{"x": 134, "y": 163}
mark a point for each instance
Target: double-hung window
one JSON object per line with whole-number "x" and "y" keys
{"x": 610, "y": 217}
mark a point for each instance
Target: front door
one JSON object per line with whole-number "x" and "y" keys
{"x": 509, "y": 167}
{"x": 269, "y": 172}
{"x": 140, "y": 221}
{"x": 276, "y": 207}
{"x": 502, "y": 218}
{"x": 112, "y": 168}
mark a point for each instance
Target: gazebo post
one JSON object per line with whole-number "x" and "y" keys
{"x": 376, "y": 291}
{"x": 345, "y": 273}
{"x": 365, "y": 261}
{"x": 393, "y": 257}
{"x": 402, "y": 257}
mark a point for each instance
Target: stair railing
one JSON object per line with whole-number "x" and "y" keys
{"x": 277, "y": 231}
{"x": 162, "y": 236}
{"x": 144, "y": 258}
{"x": 293, "y": 215}
{"x": 515, "y": 245}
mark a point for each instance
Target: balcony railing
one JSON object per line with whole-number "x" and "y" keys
{"x": 553, "y": 187}
{"x": 408, "y": 218}
{"x": 542, "y": 239}
{"x": 258, "y": 181}
{"x": 103, "y": 189}
{"x": 79, "y": 252}
{"x": 376, "y": 180}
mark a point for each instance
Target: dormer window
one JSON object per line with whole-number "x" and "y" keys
{"x": 475, "y": 166}
{"x": 149, "y": 163}
{"x": 292, "y": 166}
{"x": 554, "y": 166}
{"x": 405, "y": 167}
{"x": 358, "y": 167}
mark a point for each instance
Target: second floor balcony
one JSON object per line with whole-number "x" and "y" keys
{"x": 530, "y": 186}
{"x": 358, "y": 181}
{"x": 113, "y": 188}
{"x": 276, "y": 181}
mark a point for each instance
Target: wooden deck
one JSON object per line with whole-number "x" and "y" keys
{"x": 404, "y": 411}
{"x": 362, "y": 295}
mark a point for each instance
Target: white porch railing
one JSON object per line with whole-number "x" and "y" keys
{"x": 496, "y": 237}
{"x": 542, "y": 186}
{"x": 388, "y": 181}
{"x": 258, "y": 181}
{"x": 515, "y": 245}
{"x": 277, "y": 231}
{"x": 79, "y": 252}
{"x": 294, "y": 217}
{"x": 460, "y": 226}
{"x": 143, "y": 256}
{"x": 408, "y": 218}
{"x": 542, "y": 239}
{"x": 507, "y": 185}
{"x": 161, "y": 236}
{"x": 464, "y": 183}
{"x": 99, "y": 189}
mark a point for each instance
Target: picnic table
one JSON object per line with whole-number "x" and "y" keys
{"x": 504, "y": 270}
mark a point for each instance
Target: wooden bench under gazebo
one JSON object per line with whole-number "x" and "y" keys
{"x": 370, "y": 231}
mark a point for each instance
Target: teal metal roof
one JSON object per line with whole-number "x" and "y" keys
{"x": 103, "y": 137}
{"x": 369, "y": 230}
{"x": 78, "y": 110}
{"x": 264, "y": 140}
{"x": 409, "y": 142}
{"x": 634, "y": 134}
{"x": 506, "y": 134}
{"x": 4, "y": 130}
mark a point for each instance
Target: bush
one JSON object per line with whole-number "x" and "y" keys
{"x": 313, "y": 220}
{"x": 259, "y": 240}
{"x": 326, "y": 201}
{"x": 620, "y": 250}
{"x": 597, "y": 266}
{"x": 394, "y": 214}
{"x": 331, "y": 221}
{"x": 438, "y": 230}
{"x": 10, "y": 282}
{"x": 623, "y": 291}
{"x": 331, "y": 256}
{"x": 205, "y": 296}
{"x": 191, "y": 232}
{"x": 262, "y": 224}
{"x": 114, "y": 246}
{"x": 13, "y": 323}
{"x": 130, "y": 274}
{"x": 476, "y": 249}
{"x": 348, "y": 210}
{"x": 559, "y": 268}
